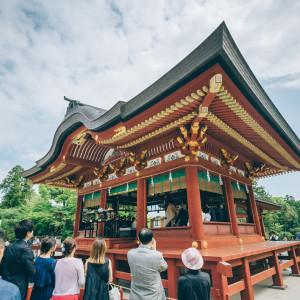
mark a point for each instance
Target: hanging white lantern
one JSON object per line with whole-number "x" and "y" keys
{"x": 220, "y": 179}
{"x": 127, "y": 187}
{"x": 109, "y": 190}
{"x": 152, "y": 181}
{"x": 208, "y": 176}
{"x": 238, "y": 186}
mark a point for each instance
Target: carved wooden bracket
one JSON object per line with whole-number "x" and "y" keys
{"x": 191, "y": 141}
{"x": 255, "y": 169}
{"x": 102, "y": 173}
{"x": 74, "y": 182}
{"x": 139, "y": 160}
{"x": 228, "y": 159}
{"x": 119, "y": 167}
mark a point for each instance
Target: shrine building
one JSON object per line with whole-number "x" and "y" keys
{"x": 180, "y": 158}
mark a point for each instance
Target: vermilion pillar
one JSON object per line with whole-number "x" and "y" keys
{"x": 194, "y": 202}
{"x": 263, "y": 230}
{"x": 247, "y": 293}
{"x": 231, "y": 207}
{"x": 173, "y": 275}
{"x": 254, "y": 210}
{"x": 103, "y": 198}
{"x": 77, "y": 216}
{"x": 141, "y": 204}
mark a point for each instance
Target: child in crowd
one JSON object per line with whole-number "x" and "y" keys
{"x": 44, "y": 279}
{"x": 69, "y": 274}
{"x": 99, "y": 273}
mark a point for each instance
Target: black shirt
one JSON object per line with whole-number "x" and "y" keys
{"x": 96, "y": 287}
{"x": 183, "y": 217}
{"x": 195, "y": 285}
{"x": 219, "y": 215}
{"x": 18, "y": 266}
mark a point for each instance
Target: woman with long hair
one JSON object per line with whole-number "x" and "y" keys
{"x": 69, "y": 274}
{"x": 44, "y": 278}
{"x": 99, "y": 273}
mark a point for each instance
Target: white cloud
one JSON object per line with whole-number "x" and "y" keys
{"x": 103, "y": 51}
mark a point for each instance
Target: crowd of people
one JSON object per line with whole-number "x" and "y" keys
{"x": 62, "y": 279}
{"x": 274, "y": 237}
{"x": 179, "y": 216}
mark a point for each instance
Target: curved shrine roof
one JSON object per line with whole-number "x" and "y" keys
{"x": 218, "y": 48}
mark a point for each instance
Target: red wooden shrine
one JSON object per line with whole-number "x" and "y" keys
{"x": 197, "y": 138}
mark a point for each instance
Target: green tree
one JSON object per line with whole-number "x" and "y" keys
{"x": 58, "y": 195}
{"x": 15, "y": 188}
{"x": 289, "y": 198}
{"x": 260, "y": 192}
{"x": 288, "y": 217}
{"x": 63, "y": 207}
{"x": 9, "y": 218}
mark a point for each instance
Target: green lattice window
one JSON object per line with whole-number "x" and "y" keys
{"x": 123, "y": 189}
{"x": 162, "y": 183}
{"x": 91, "y": 200}
{"x": 212, "y": 186}
{"x": 239, "y": 193}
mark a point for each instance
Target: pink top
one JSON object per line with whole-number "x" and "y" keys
{"x": 69, "y": 273}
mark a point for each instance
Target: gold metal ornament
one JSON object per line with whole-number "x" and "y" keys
{"x": 195, "y": 245}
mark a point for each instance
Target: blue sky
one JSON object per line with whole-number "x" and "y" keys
{"x": 100, "y": 52}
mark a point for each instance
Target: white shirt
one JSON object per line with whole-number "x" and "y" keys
{"x": 207, "y": 217}
{"x": 69, "y": 273}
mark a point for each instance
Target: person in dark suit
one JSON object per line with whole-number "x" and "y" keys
{"x": 183, "y": 216}
{"x": 8, "y": 290}
{"x": 17, "y": 265}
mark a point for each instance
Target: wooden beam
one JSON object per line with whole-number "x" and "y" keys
{"x": 236, "y": 287}
{"x": 194, "y": 202}
{"x": 263, "y": 275}
{"x": 254, "y": 210}
{"x": 247, "y": 293}
{"x": 81, "y": 162}
{"x": 103, "y": 198}
{"x": 277, "y": 277}
{"x": 77, "y": 215}
{"x": 220, "y": 289}
{"x": 224, "y": 268}
{"x": 231, "y": 207}
{"x": 295, "y": 266}
{"x": 141, "y": 204}
{"x": 173, "y": 275}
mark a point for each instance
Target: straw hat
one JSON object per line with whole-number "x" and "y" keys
{"x": 192, "y": 259}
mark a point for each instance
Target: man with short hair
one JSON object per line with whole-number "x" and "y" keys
{"x": 145, "y": 266}
{"x": 8, "y": 290}
{"x": 17, "y": 265}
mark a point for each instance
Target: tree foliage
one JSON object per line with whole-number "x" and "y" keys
{"x": 280, "y": 221}
{"x": 51, "y": 209}
{"x": 15, "y": 188}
